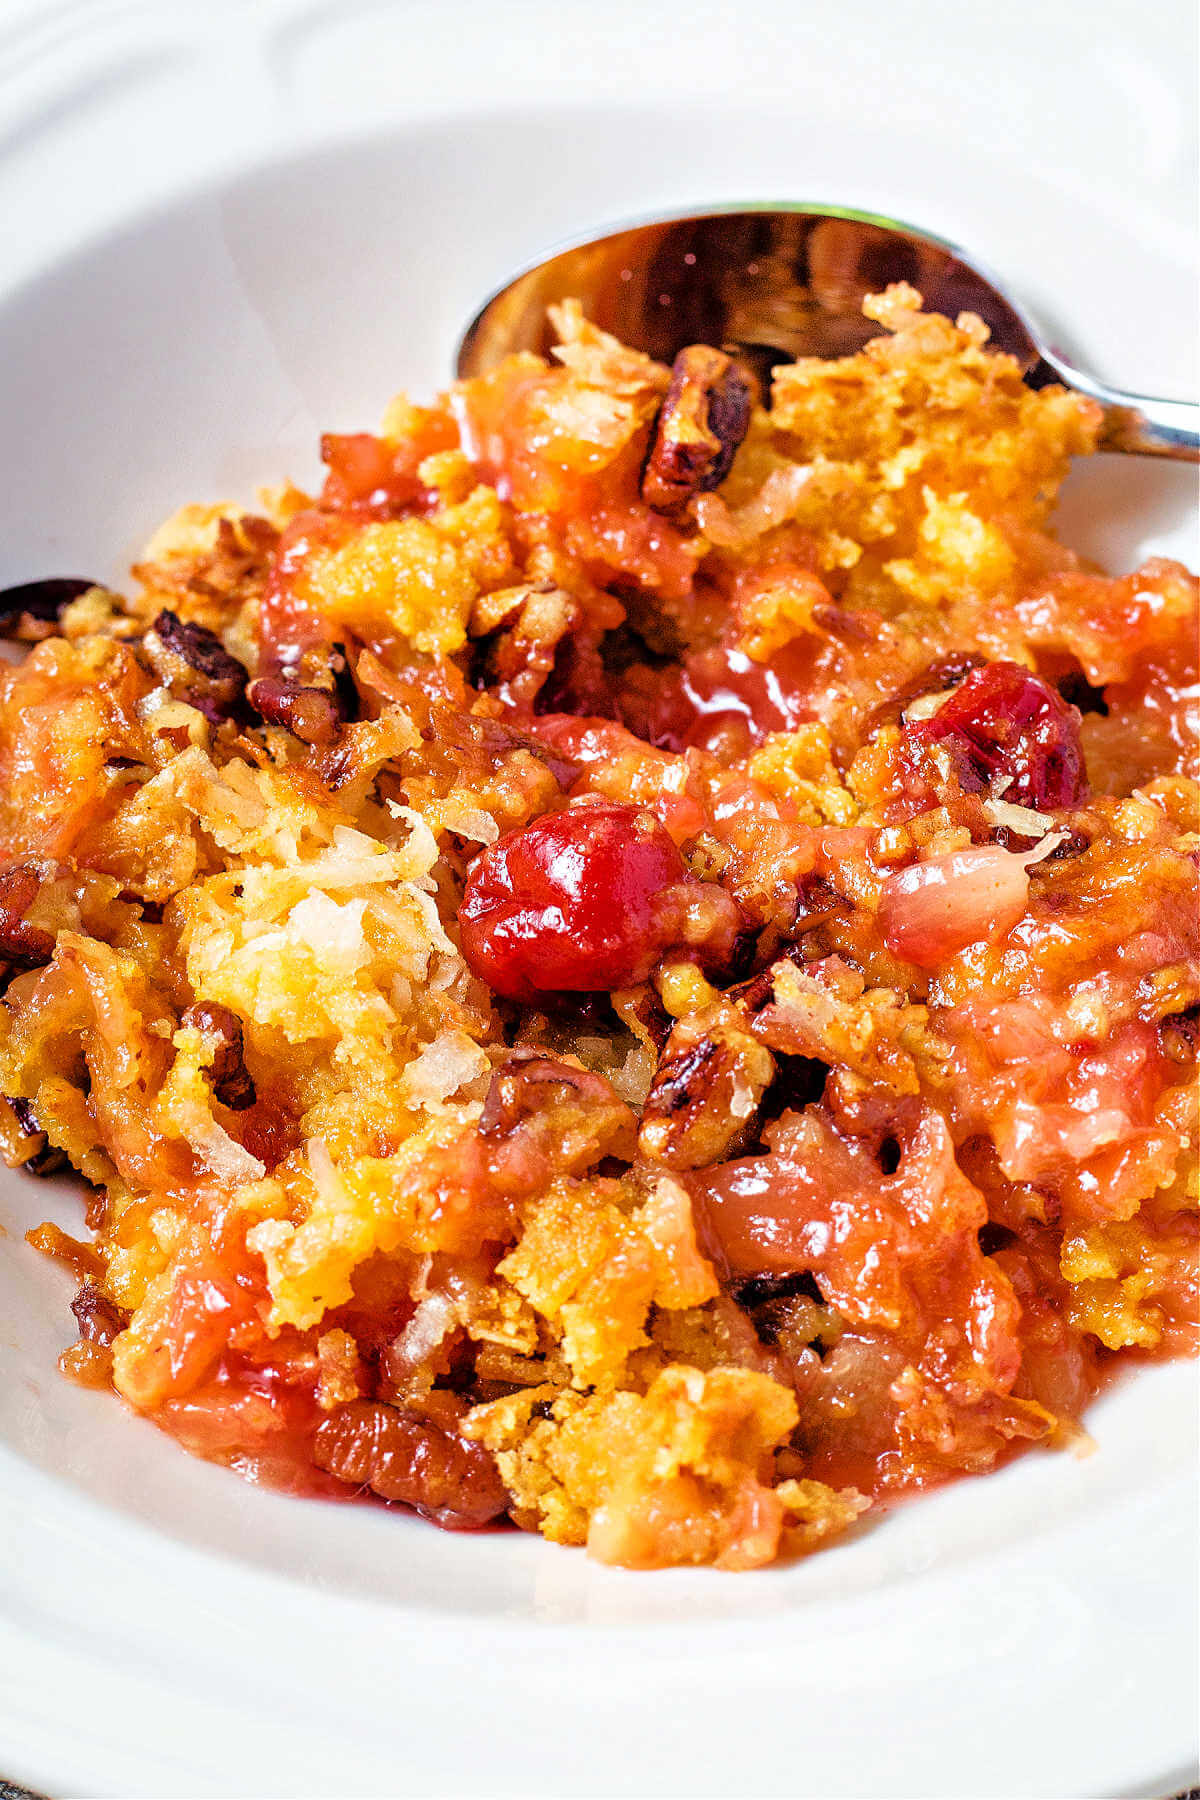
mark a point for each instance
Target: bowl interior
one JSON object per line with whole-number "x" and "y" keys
{"x": 198, "y": 353}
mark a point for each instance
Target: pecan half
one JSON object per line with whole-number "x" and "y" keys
{"x": 701, "y": 423}
{"x": 231, "y": 1080}
{"x": 311, "y": 714}
{"x": 706, "y": 1092}
{"x": 22, "y": 945}
{"x": 402, "y": 1457}
{"x": 195, "y": 665}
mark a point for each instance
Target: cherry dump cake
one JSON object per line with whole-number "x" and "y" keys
{"x": 631, "y": 966}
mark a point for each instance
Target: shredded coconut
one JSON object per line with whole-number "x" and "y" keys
{"x": 1021, "y": 819}
{"x": 433, "y": 1318}
{"x": 925, "y": 705}
{"x": 469, "y": 822}
{"x": 442, "y": 1068}
{"x": 332, "y": 932}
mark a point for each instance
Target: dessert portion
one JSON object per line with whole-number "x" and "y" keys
{"x": 631, "y": 965}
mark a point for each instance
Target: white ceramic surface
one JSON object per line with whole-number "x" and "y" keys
{"x": 231, "y": 227}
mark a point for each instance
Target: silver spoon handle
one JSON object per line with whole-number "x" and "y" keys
{"x": 1135, "y": 422}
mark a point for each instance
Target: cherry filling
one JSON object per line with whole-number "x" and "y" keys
{"x": 718, "y": 691}
{"x": 373, "y": 479}
{"x": 1004, "y": 724}
{"x": 586, "y": 900}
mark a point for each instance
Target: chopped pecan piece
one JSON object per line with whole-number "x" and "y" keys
{"x": 345, "y": 689}
{"x": 706, "y": 1092}
{"x": 312, "y": 714}
{"x": 402, "y": 1457}
{"x": 243, "y": 547}
{"x": 789, "y": 1311}
{"x": 517, "y": 632}
{"x": 1178, "y": 1034}
{"x": 553, "y": 1103}
{"x": 511, "y": 1097}
{"x": 43, "y": 1158}
{"x": 826, "y": 1013}
{"x": 98, "y": 1319}
{"x": 195, "y": 665}
{"x": 40, "y": 601}
{"x": 88, "y": 1365}
{"x": 24, "y": 946}
{"x": 703, "y": 419}
{"x": 492, "y": 741}
{"x": 641, "y": 1011}
{"x": 232, "y": 1083}
{"x": 751, "y": 996}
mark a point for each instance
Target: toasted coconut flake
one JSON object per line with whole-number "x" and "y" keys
{"x": 469, "y": 822}
{"x": 333, "y": 932}
{"x": 925, "y": 705}
{"x": 1022, "y": 820}
{"x": 434, "y": 1318}
{"x": 226, "y": 1158}
{"x": 1046, "y": 848}
{"x": 442, "y": 1069}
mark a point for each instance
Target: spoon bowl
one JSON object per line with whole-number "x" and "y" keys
{"x": 776, "y": 282}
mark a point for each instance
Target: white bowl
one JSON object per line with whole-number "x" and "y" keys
{"x": 166, "y": 1629}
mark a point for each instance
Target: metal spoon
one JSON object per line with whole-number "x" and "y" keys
{"x": 777, "y": 282}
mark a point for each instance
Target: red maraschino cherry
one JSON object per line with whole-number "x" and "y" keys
{"x": 586, "y": 900}
{"x": 1004, "y": 723}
